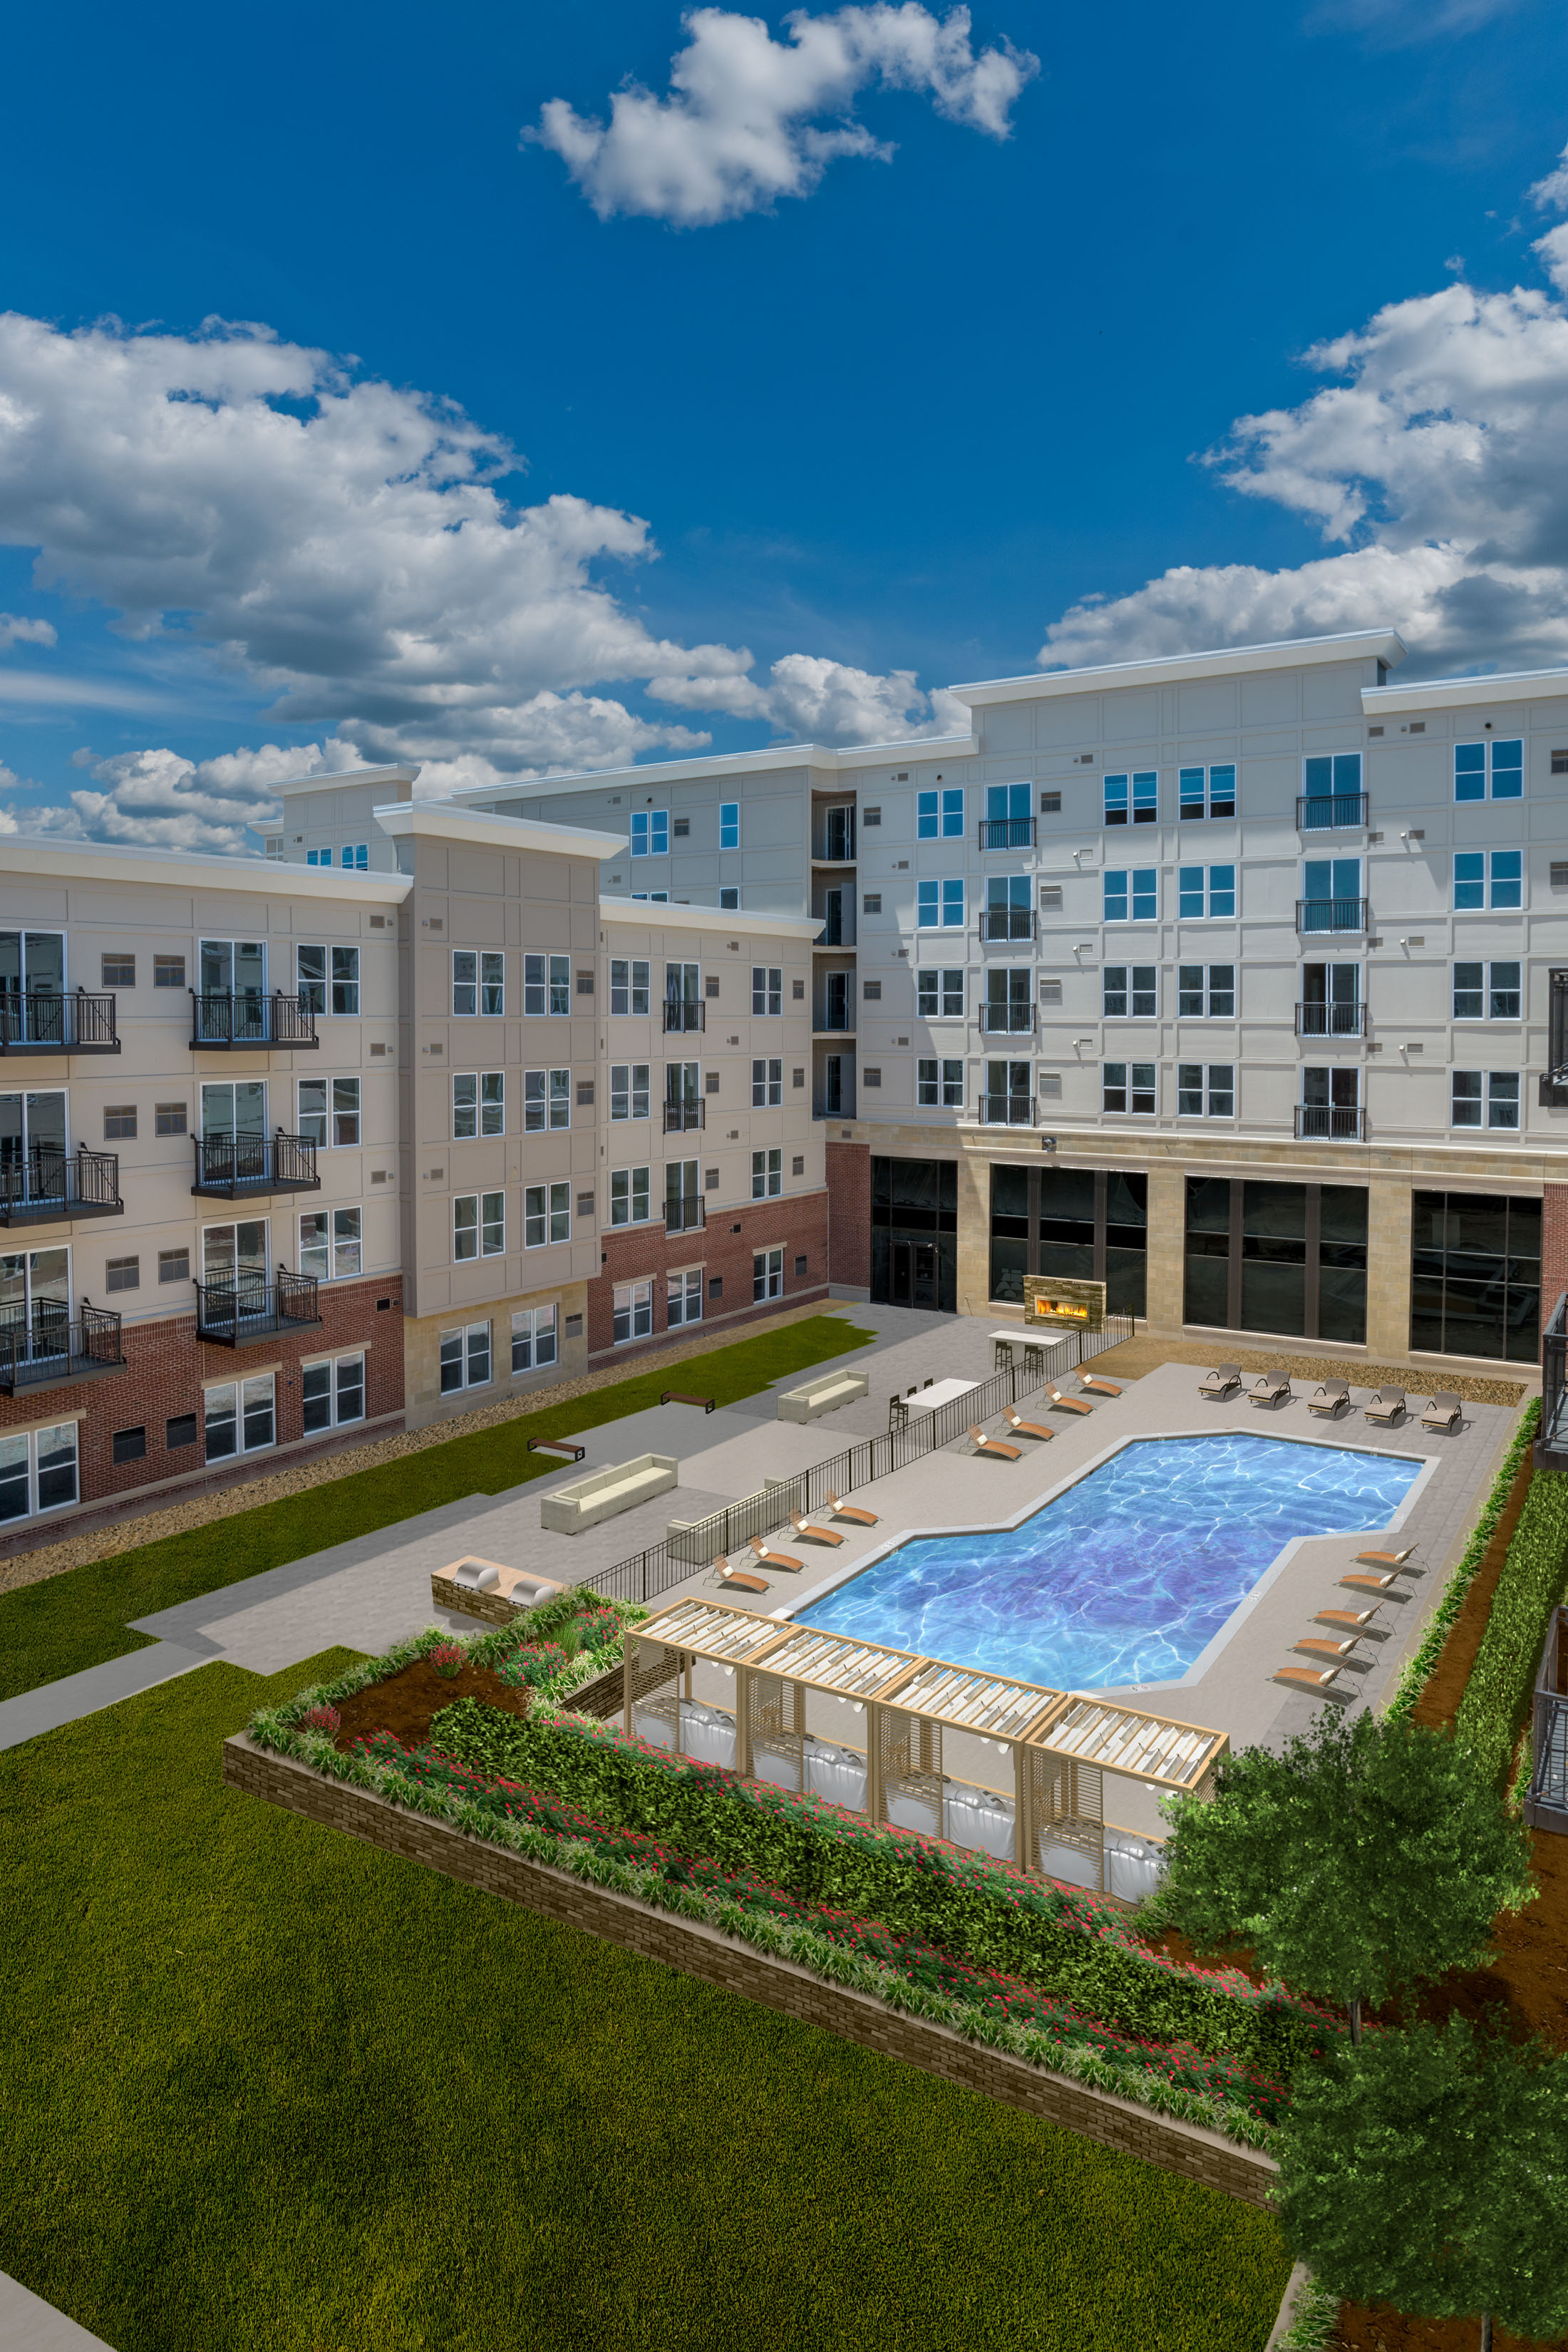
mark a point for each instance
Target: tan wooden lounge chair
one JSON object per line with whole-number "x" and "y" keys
{"x": 1313, "y": 1646}
{"x": 1385, "y": 1405}
{"x": 736, "y": 1578}
{"x": 1350, "y": 1621}
{"x": 797, "y": 1520}
{"x": 773, "y": 1559}
{"x": 1328, "y": 1398}
{"x": 850, "y": 1511}
{"x": 983, "y": 1444}
{"x": 1015, "y": 1420}
{"x": 1445, "y": 1412}
{"x": 1068, "y": 1404}
{"x": 1222, "y": 1382}
{"x": 1097, "y": 1387}
{"x": 1384, "y": 1558}
{"x": 1368, "y": 1584}
{"x": 1272, "y": 1387}
{"x": 1306, "y": 1677}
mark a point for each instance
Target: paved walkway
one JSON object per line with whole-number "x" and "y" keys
{"x": 28, "y": 2325}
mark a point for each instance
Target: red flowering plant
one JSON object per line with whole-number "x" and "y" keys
{"x": 448, "y": 1658}
{"x": 321, "y": 1718}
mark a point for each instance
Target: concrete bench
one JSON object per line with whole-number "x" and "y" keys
{"x": 602, "y": 1494}
{"x": 823, "y": 1395}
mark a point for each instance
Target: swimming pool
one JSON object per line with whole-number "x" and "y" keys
{"x": 1127, "y": 1576}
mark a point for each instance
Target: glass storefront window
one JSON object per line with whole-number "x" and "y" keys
{"x": 1475, "y": 1276}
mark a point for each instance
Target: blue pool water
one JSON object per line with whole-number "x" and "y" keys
{"x": 1128, "y": 1575}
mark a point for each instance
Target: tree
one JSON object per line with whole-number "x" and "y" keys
{"x": 1428, "y": 2168}
{"x": 1367, "y": 1856}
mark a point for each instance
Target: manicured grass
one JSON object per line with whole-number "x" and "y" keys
{"x": 77, "y": 1619}
{"x": 279, "y": 2090}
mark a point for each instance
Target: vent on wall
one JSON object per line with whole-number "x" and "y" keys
{"x": 378, "y": 1053}
{"x": 378, "y": 922}
{"x": 1559, "y": 763}
{"x": 1051, "y": 1083}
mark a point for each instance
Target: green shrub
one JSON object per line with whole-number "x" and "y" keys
{"x": 1069, "y": 1946}
{"x": 1420, "y": 1664}
{"x": 1531, "y": 1584}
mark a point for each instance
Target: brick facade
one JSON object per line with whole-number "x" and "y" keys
{"x": 850, "y": 1213}
{"x": 723, "y": 1248}
{"x": 1554, "y": 1247}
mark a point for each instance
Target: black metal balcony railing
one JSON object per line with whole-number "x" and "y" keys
{"x": 45, "y": 1021}
{"x": 679, "y": 1014}
{"x": 1331, "y": 812}
{"x": 42, "y": 1185}
{"x": 1330, "y": 1020}
{"x": 1013, "y": 1018}
{"x": 1007, "y": 832}
{"x": 238, "y": 1313}
{"x": 1552, "y": 1448}
{"x": 1006, "y": 922}
{"x": 227, "y": 1022}
{"x": 1331, "y": 914}
{"x": 50, "y": 1346}
{"x": 1331, "y": 1122}
{"x": 683, "y": 1212}
{"x": 681, "y": 1116}
{"x": 233, "y": 1165}
{"x": 1006, "y": 1110}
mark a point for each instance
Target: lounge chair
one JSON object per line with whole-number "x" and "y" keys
{"x": 1328, "y": 1398}
{"x": 1368, "y": 1584}
{"x": 1384, "y": 1558}
{"x": 1223, "y": 1382}
{"x": 1348, "y": 1620}
{"x": 736, "y": 1579}
{"x": 1096, "y": 1386}
{"x": 1313, "y": 1646}
{"x": 1445, "y": 1412}
{"x": 1385, "y": 1405}
{"x": 850, "y": 1511}
{"x": 773, "y": 1559}
{"x": 797, "y": 1520}
{"x": 1272, "y": 1387}
{"x": 983, "y": 1444}
{"x": 1015, "y": 1420}
{"x": 1307, "y": 1677}
{"x": 1068, "y": 1404}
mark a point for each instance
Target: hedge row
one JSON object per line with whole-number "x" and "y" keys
{"x": 1531, "y": 1584}
{"x": 1417, "y": 1667}
{"x": 1077, "y": 1949}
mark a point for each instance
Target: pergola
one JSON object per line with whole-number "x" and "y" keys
{"x": 986, "y": 1761}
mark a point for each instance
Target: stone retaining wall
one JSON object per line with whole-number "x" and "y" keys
{"x": 704, "y": 1952}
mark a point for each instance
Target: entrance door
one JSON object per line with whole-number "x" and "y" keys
{"x": 837, "y": 1015}
{"x": 923, "y": 1284}
{"x": 900, "y": 1275}
{"x": 833, "y": 928}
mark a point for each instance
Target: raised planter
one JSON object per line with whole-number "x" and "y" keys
{"x": 605, "y": 1494}
{"x": 823, "y": 1395}
{"x": 485, "y": 1590}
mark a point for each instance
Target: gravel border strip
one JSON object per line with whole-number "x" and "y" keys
{"x": 1148, "y": 1354}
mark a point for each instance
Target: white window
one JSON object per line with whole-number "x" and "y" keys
{"x": 1486, "y": 1097}
{"x": 767, "y": 988}
{"x": 1205, "y": 893}
{"x": 729, "y": 897}
{"x": 1131, "y": 1087}
{"x": 767, "y": 1084}
{"x": 939, "y": 995}
{"x": 1132, "y": 894}
{"x": 546, "y": 1214}
{"x": 233, "y": 967}
{"x": 1131, "y": 990}
{"x": 628, "y": 985}
{"x": 239, "y": 1417}
{"x": 1499, "y": 765}
{"x": 729, "y": 824}
{"x": 479, "y": 1225}
{"x": 1133, "y": 799}
{"x": 332, "y": 1393}
{"x": 546, "y": 1101}
{"x": 37, "y": 1471}
{"x": 684, "y": 1301}
{"x": 533, "y": 1338}
{"x": 237, "y": 1252}
{"x": 466, "y": 1358}
{"x": 634, "y": 1311}
{"x": 1488, "y": 992}
{"x": 650, "y": 832}
{"x": 479, "y": 982}
{"x": 767, "y": 1273}
{"x": 318, "y": 968}
{"x": 939, "y": 1085}
{"x": 330, "y": 1244}
{"x": 1211, "y": 792}
{"x": 355, "y": 857}
{"x": 546, "y": 987}
{"x": 630, "y": 1193}
{"x": 938, "y": 815}
{"x": 1205, "y": 1090}
{"x": 767, "y": 1174}
{"x": 629, "y": 1093}
{"x": 318, "y": 858}
{"x": 939, "y": 906}
{"x": 478, "y": 1104}
{"x": 328, "y": 1110}
{"x": 1206, "y": 992}
{"x": 1493, "y": 877}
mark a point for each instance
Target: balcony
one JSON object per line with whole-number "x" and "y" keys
{"x": 679, "y": 1015}
{"x": 1013, "y": 1020}
{"x": 1330, "y": 1123}
{"x": 44, "y": 1021}
{"x": 1330, "y": 1020}
{"x": 1007, "y": 832}
{"x": 679, "y": 1118}
{"x": 233, "y": 1165}
{"x": 241, "y": 1313}
{"x": 1006, "y": 922}
{"x": 232, "y": 1025}
{"x": 1005, "y": 1110}
{"x": 1331, "y": 812}
{"x": 832, "y": 1020}
{"x": 1330, "y": 914}
{"x": 42, "y": 1186}
{"x": 52, "y": 1347}
{"x": 683, "y": 1212}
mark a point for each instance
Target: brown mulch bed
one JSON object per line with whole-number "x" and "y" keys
{"x": 406, "y": 1703}
{"x": 1444, "y": 1685}
{"x": 1136, "y": 1357}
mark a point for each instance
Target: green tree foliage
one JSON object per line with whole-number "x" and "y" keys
{"x": 1368, "y": 1857}
{"x": 1429, "y": 2170}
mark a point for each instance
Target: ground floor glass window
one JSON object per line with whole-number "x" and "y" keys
{"x": 1286, "y": 1258}
{"x": 1475, "y": 1276}
{"x": 1090, "y": 1223}
{"x": 37, "y": 1471}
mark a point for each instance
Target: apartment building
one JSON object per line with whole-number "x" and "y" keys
{"x": 1236, "y": 979}
{"x": 292, "y": 1151}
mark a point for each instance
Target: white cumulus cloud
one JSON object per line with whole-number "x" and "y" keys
{"x": 16, "y": 630}
{"x": 749, "y": 119}
{"x": 825, "y": 701}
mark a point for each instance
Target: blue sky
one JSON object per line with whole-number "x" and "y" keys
{"x": 909, "y": 416}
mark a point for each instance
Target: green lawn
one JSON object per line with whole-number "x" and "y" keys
{"x": 79, "y": 1618}
{"x": 280, "y": 2090}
